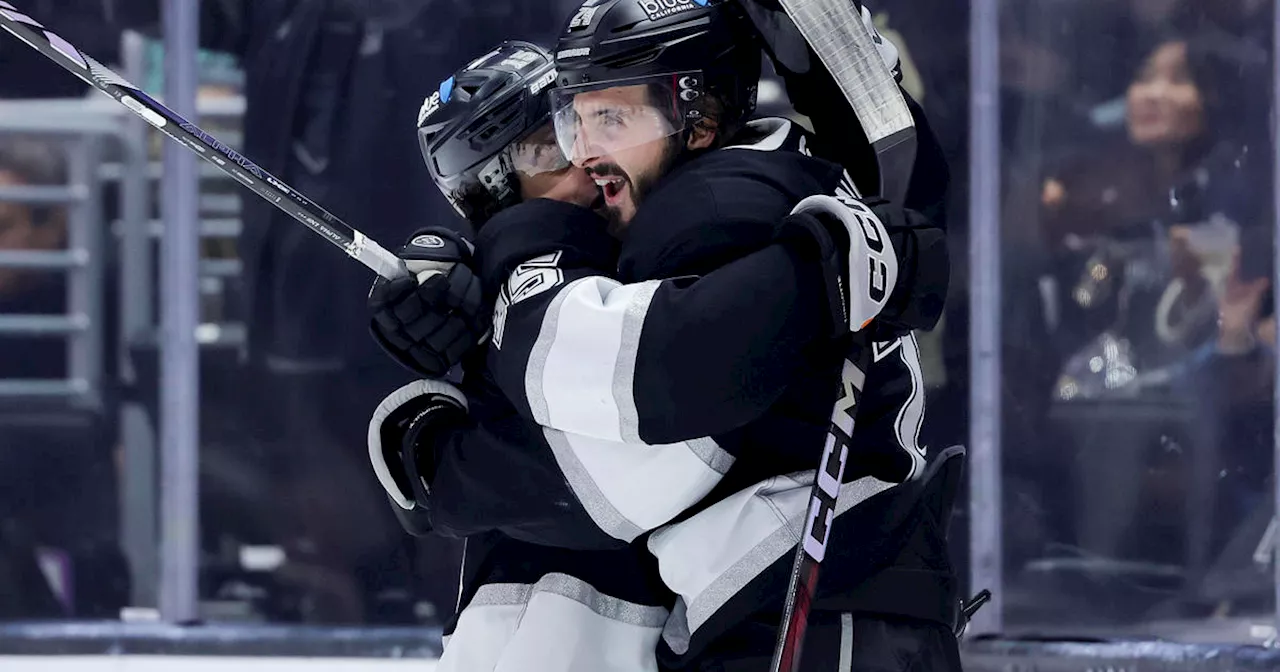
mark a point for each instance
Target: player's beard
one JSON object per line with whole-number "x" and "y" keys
{"x": 640, "y": 182}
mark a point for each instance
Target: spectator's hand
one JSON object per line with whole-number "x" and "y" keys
{"x": 1238, "y": 309}
{"x": 1053, "y": 194}
{"x": 1183, "y": 259}
{"x": 1267, "y": 332}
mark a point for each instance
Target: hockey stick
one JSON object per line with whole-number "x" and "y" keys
{"x": 821, "y": 512}
{"x": 835, "y": 31}
{"x": 259, "y": 181}
{"x": 845, "y": 45}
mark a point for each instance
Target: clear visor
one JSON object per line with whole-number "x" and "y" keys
{"x": 593, "y": 121}
{"x": 537, "y": 153}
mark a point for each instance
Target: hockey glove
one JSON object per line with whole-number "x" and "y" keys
{"x": 430, "y": 320}
{"x": 853, "y": 250}
{"x": 401, "y": 451}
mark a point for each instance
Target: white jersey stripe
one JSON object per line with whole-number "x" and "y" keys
{"x": 628, "y": 488}
{"x": 580, "y": 370}
{"x": 559, "y": 624}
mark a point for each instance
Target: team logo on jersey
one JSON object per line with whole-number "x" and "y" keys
{"x": 882, "y": 349}
{"x": 661, "y": 9}
{"x": 529, "y": 279}
{"x": 435, "y": 100}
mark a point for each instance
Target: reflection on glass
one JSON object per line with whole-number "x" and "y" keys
{"x": 1139, "y": 344}
{"x": 59, "y": 551}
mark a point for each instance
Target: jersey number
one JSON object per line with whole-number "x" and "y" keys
{"x": 529, "y": 279}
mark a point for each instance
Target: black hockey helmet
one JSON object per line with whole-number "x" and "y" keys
{"x": 690, "y": 47}
{"x": 472, "y": 128}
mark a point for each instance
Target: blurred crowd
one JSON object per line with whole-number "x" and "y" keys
{"x": 1137, "y": 309}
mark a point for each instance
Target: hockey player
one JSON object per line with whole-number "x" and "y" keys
{"x": 770, "y": 422}
{"x": 491, "y": 149}
{"x": 510, "y": 587}
{"x": 642, "y": 96}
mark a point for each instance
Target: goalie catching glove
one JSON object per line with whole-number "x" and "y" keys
{"x": 402, "y": 425}
{"x": 429, "y": 320}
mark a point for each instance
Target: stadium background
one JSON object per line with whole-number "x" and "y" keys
{"x": 177, "y": 488}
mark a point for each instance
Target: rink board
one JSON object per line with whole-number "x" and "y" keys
{"x": 135, "y": 647}
{"x": 209, "y": 664}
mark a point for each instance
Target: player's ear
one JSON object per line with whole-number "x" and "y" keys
{"x": 703, "y": 135}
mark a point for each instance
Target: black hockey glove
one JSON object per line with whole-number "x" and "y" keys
{"x": 401, "y": 448}
{"x": 852, "y": 247}
{"x": 895, "y": 273}
{"x": 430, "y": 320}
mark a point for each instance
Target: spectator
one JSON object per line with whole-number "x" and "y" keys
{"x": 1181, "y": 162}
{"x": 1094, "y": 265}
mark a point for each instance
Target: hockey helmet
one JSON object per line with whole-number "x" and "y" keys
{"x": 486, "y": 123}
{"x": 682, "y": 51}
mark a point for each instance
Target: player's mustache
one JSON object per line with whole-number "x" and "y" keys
{"x": 606, "y": 170}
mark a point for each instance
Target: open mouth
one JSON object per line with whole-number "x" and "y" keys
{"x": 611, "y": 187}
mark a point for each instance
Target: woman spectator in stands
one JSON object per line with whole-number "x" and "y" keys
{"x": 1184, "y": 160}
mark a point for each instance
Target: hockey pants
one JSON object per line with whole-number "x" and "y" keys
{"x": 837, "y": 642}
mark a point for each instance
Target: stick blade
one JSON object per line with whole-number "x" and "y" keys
{"x": 835, "y": 31}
